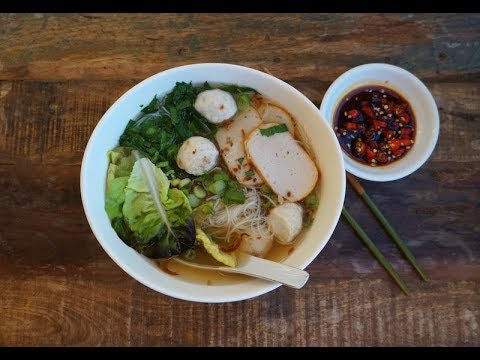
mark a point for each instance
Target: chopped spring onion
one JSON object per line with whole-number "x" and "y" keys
{"x": 162, "y": 164}
{"x": 221, "y": 176}
{"x": 199, "y": 192}
{"x": 175, "y": 182}
{"x": 274, "y": 130}
{"x": 207, "y": 208}
{"x": 184, "y": 182}
{"x": 249, "y": 173}
{"x": 217, "y": 187}
{"x": 311, "y": 200}
{"x": 193, "y": 200}
{"x": 190, "y": 254}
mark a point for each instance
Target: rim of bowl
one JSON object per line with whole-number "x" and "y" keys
{"x": 256, "y": 290}
{"x": 384, "y": 174}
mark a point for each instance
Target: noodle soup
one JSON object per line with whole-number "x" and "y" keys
{"x": 205, "y": 173}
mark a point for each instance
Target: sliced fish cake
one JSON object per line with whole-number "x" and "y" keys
{"x": 270, "y": 113}
{"x": 282, "y": 163}
{"x": 230, "y": 139}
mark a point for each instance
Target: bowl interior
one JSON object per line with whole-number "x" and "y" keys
{"x": 412, "y": 90}
{"x": 112, "y": 125}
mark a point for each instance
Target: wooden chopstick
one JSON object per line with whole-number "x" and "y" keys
{"x": 386, "y": 225}
{"x": 376, "y": 252}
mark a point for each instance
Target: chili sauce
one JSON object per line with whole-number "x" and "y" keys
{"x": 375, "y": 125}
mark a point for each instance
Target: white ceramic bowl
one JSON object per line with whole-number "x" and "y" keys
{"x": 412, "y": 90}
{"x": 106, "y": 134}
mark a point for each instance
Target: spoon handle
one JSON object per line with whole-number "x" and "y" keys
{"x": 270, "y": 270}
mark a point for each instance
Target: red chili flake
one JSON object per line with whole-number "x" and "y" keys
{"x": 381, "y": 157}
{"x": 398, "y": 152}
{"x": 400, "y": 108}
{"x": 354, "y": 113}
{"x": 360, "y": 147}
{"x": 404, "y": 118}
{"x": 377, "y": 124}
{"x": 407, "y": 133}
{"x": 351, "y": 126}
{"x": 379, "y": 136}
{"x": 370, "y": 154}
{"x": 368, "y": 112}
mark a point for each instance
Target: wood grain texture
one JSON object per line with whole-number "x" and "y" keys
{"x": 60, "y": 73}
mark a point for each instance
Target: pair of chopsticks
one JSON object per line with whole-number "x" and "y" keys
{"x": 389, "y": 229}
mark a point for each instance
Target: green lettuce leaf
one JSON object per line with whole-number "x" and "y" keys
{"x": 159, "y": 218}
{"x": 120, "y": 166}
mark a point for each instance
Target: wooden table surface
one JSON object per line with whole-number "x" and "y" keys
{"x": 60, "y": 73}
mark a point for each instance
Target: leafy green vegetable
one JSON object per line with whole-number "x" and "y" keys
{"x": 146, "y": 213}
{"x": 120, "y": 166}
{"x": 115, "y": 197}
{"x": 219, "y": 182}
{"x": 241, "y": 94}
{"x": 221, "y": 176}
{"x": 274, "y": 130}
{"x": 238, "y": 90}
{"x": 310, "y": 204}
{"x": 151, "y": 107}
{"x": 234, "y": 196}
{"x": 163, "y": 126}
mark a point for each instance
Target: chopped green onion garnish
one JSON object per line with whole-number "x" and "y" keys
{"x": 184, "y": 182}
{"x": 220, "y": 176}
{"x": 190, "y": 254}
{"x": 240, "y": 160}
{"x": 199, "y": 192}
{"x": 311, "y": 200}
{"x": 274, "y": 130}
{"x": 207, "y": 208}
{"x": 193, "y": 200}
{"x": 162, "y": 164}
{"x": 218, "y": 187}
{"x": 249, "y": 173}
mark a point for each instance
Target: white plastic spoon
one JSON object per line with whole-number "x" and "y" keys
{"x": 260, "y": 268}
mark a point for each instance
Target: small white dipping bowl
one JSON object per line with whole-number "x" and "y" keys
{"x": 322, "y": 142}
{"x": 411, "y": 89}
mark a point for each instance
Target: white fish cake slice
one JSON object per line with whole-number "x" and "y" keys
{"x": 282, "y": 163}
{"x": 230, "y": 139}
{"x": 270, "y": 113}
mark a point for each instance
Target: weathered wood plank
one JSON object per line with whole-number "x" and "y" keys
{"x": 90, "y": 311}
{"x": 293, "y": 46}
